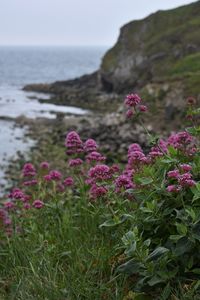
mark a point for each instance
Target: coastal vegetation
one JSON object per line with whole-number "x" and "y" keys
{"x": 90, "y": 228}
{"x": 107, "y": 207}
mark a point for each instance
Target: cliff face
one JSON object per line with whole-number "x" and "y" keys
{"x": 157, "y": 57}
{"x": 161, "y": 47}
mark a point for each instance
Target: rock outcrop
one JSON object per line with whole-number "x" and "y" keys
{"x": 158, "y": 57}
{"x": 153, "y": 49}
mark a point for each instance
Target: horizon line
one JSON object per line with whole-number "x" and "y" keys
{"x": 54, "y": 45}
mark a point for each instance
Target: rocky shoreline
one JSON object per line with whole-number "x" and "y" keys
{"x": 160, "y": 65}
{"x": 81, "y": 92}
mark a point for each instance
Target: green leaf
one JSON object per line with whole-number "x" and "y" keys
{"x": 196, "y": 197}
{"x": 191, "y": 213}
{"x": 194, "y": 130}
{"x": 196, "y": 271}
{"x": 175, "y": 237}
{"x": 197, "y": 285}
{"x": 129, "y": 237}
{"x": 184, "y": 245}
{"x": 172, "y": 151}
{"x": 145, "y": 180}
{"x": 130, "y": 267}
{"x": 169, "y": 161}
{"x": 131, "y": 249}
{"x": 181, "y": 228}
{"x": 196, "y": 191}
{"x": 66, "y": 253}
{"x": 146, "y": 210}
{"x": 155, "y": 280}
{"x": 157, "y": 253}
{"x": 130, "y": 241}
{"x": 116, "y": 221}
{"x": 110, "y": 223}
{"x": 147, "y": 242}
{"x": 154, "y": 139}
{"x": 166, "y": 292}
{"x": 190, "y": 262}
{"x": 196, "y": 231}
{"x": 168, "y": 274}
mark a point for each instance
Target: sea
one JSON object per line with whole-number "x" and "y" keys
{"x": 21, "y": 65}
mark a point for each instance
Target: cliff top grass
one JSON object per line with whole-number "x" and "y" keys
{"x": 187, "y": 65}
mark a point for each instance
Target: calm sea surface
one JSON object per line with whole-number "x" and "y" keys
{"x": 23, "y": 65}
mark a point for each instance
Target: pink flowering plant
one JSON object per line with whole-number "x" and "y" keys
{"x": 134, "y": 225}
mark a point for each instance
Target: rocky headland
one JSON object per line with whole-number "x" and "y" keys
{"x": 157, "y": 57}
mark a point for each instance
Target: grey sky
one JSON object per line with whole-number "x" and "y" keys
{"x": 71, "y": 22}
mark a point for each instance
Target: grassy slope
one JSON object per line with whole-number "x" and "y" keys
{"x": 69, "y": 260}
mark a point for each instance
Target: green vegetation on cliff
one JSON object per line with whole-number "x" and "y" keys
{"x": 188, "y": 65}
{"x": 149, "y": 49}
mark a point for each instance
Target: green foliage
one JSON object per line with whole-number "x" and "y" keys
{"x": 188, "y": 64}
{"x": 140, "y": 243}
{"x": 191, "y": 84}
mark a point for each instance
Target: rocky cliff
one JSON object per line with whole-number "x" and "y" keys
{"x": 162, "y": 48}
{"x": 159, "y": 48}
{"x": 158, "y": 57}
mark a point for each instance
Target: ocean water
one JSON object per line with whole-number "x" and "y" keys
{"x": 24, "y": 65}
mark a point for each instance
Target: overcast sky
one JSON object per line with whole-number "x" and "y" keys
{"x": 72, "y": 22}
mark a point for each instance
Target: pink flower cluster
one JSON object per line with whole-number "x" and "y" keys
{"x": 44, "y": 165}
{"x": 98, "y": 177}
{"x": 97, "y": 191}
{"x": 75, "y": 162}
{"x": 38, "y": 204}
{"x": 69, "y": 181}
{"x": 73, "y": 143}
{"x": 90, "y": 145}
{"x": 55, "y": 175}
{"x": 30, "y": 182}
{"x": 191, "y": 101}
{"x": 159, "y": 150}
{"x": 95, "y": 156}
{"x": 17, "y": 194}
{"x": 100, "y": 173}
{"x": 182, "y": 178}
{"x": 132, "y": 101}
{"x": 136, "y": 157}
{"x": 184, "y": 142}
{"x": 179, "y": 139}
{"x": 123, "y": 182}
{"x": 29, "y": 170}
